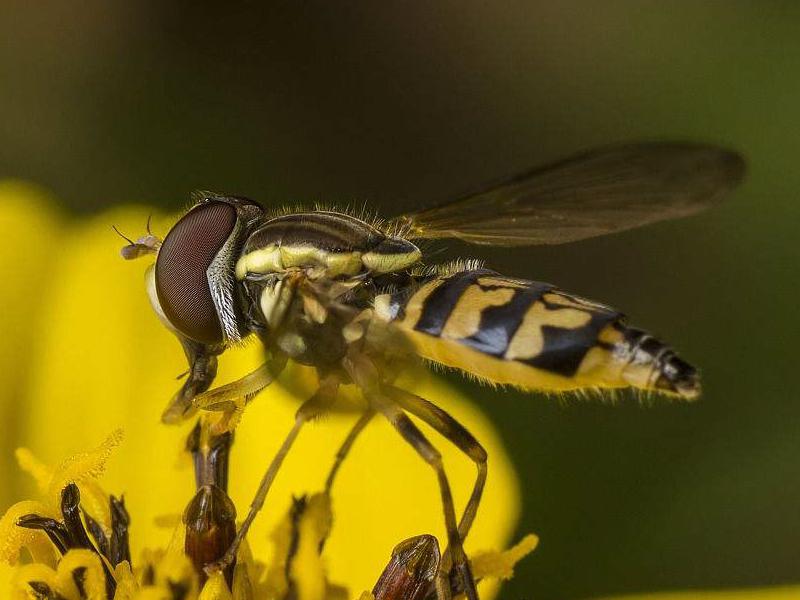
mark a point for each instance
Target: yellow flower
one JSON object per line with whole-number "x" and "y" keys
{"x": 83, "y": 355}
{"x": 80, "y": 549}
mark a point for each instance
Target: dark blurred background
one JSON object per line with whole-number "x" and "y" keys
{"x": 397, "y": 105}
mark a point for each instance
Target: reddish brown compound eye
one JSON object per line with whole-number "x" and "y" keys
{"x": 183, "y": 259}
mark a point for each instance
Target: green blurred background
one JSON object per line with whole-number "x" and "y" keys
{"x": 397, "y": 105}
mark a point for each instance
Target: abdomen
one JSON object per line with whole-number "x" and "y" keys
{"x": 531, "y": 335}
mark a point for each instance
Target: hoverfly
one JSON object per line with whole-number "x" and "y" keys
{"x": 355, "y": 300}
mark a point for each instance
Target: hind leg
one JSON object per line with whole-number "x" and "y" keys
{"x": 411, "y": 433}
{"x": 458, "y": 435}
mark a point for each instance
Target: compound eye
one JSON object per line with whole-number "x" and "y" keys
{"x": 183, "y": 259}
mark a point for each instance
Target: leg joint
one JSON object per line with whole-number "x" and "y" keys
{"x": 478, "y": 454}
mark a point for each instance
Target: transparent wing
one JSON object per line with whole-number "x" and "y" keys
{"x": 591, "y": 194}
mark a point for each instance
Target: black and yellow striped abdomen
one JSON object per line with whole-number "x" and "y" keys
{"x": 531, "y": 335}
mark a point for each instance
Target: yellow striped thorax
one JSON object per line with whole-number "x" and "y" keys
{"x": 530, "y": 335}
{"x": 335, "y": 243}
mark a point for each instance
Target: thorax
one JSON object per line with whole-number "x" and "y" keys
{"x": 307, "y": 276}
{"x": 326, "y": 243}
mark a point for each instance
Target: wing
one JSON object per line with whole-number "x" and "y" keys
{"x": 591, "y": 194}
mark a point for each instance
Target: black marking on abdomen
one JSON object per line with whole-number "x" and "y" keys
{"x": 498, "y": 324}
{"x": 441, "y": 302}
{"x": 564, "y": 349}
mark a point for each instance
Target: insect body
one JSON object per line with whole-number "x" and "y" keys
{"x": 355, "y": 300}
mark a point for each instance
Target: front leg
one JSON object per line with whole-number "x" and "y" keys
{"x": 202, "y": 370}
{"x": 224, "y": 397}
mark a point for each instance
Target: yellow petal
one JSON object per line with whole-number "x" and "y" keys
{"x": 216, "y": 588}
{"x": 242, "y": 583}
{"x": 300, "y": 533}
{"x": 126, "y": 583}
{"x": 275, "y": 584}
{"x": 308, "y": 570}
{"x": 248, "y": 571}
{"x": 31, "y": 465}
{"x": 173, "y": 565}
{"x": 30, "y": 226}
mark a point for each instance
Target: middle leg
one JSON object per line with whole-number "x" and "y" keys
{"x": 346, "y": 446}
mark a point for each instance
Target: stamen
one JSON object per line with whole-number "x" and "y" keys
{"x": 116, "y": 548}
{"x": 70, "y": 509}
{"x": 210, "y": 521}
{"x": 71, "y": 533}
{"x": 211, "y": 454}
{"x": 55, "y": 530}
{"x": 96, "y": 531}
{"x": 119, "y": 549}
{"x": 210, "y": 517}
{"x": 411, "y": 572}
